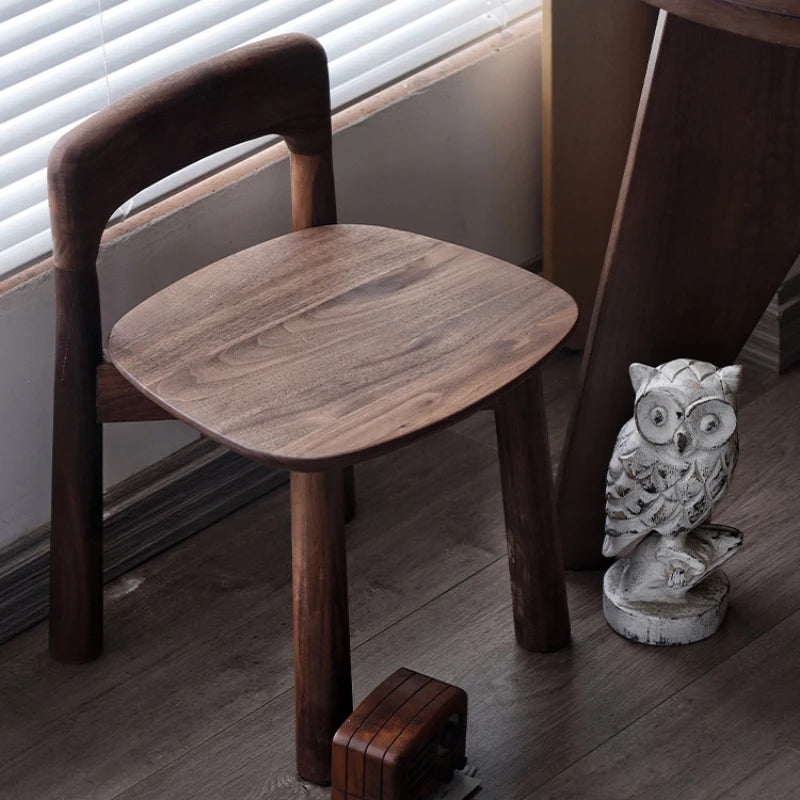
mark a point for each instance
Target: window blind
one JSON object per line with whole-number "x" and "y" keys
{"x": 63, "y": 60}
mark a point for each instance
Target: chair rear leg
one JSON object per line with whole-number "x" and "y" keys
{"x": 76, "y": 534}
{"x": 541, "y": 616}
{"x": 323, "y": 693}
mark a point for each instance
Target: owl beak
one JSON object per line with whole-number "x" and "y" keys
{"x": 682, "y": 440}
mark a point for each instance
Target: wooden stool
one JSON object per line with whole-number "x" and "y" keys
{"x": 309, "y": 352}
{"x": 706, "y": 224}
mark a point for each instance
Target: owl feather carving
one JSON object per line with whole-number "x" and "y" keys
{"x": 672, "y": 461}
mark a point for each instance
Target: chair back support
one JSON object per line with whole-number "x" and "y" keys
{"x": 276, "y": 86}
{"x": 279, "y": 85}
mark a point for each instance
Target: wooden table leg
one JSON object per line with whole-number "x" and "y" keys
{"x": 705, "y": 230}
{"x": 539, "y": 598}
{"x": 349, "y": 495}
{"x": 323, "y": 693}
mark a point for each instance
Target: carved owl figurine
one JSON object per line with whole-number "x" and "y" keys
{"x": 673, "y": 460}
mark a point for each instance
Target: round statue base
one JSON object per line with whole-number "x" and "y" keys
{"x": 697, "y": 617}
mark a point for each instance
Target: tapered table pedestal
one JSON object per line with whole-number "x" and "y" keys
{"x": 706, "y": 226}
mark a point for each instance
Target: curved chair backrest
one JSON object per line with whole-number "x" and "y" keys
{"x": 279, "y": 85}
{"x": 276, "y": 86}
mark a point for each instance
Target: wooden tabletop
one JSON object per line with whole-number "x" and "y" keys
{"x": 328, "y": 345}
{"x": 776, "y": 21}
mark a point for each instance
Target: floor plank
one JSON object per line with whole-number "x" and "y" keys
{"x": 193, "y": 697}
{"x": 532, "y": 716}
{"x": 225, "y": 622}
{"x": 734, "y": 733}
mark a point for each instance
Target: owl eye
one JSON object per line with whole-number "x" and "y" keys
{"x": 712, "y": 422}
{"x": 658, "y": 416}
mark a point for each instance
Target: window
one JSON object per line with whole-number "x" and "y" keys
{"x": 62, "y": 60}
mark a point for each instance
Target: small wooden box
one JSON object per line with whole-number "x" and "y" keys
{"x": 402, "y": 742}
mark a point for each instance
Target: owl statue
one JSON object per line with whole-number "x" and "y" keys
{"x": 672, "y": 463}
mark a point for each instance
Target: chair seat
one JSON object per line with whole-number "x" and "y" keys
{"x": 331, "y": 344}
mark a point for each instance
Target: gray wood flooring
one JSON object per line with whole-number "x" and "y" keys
{"x": 193, "y": 695}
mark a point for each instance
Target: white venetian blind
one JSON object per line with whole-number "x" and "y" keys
{"x": 62, "y": 60}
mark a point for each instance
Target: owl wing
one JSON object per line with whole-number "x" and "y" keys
{"x": 624, "y": 492}
{"x": 710, "y": 478}
{"x": 644, "y": 494}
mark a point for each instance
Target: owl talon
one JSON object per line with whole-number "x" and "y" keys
{"x": 677, "y": 577}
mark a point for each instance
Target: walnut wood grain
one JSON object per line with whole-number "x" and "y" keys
{"x": 594, "y": 57}
{"x": 323, "y": 694}
{"x": 119, "y": 401}
{"x": 76, "y": 531}
{"x": 275, "y": 86}
{"x": 312, "y": 351}
{"x": 314, "y": 203}
{"x": 349, "y": 494}
{"x": 372, "y": 726}
{"x": 223, "y": 600}
{"x": 743, "y": 747}
{"x": 776, "y": 21}
{"x": 343, "y": 739}
{"x": 313, "y": 192}
{"x": 539, "y": 599}
{"x": 211, "y": 618}
{"x": 332, "y": 344}
{"x": 279, "y": 85}
{"x": 705, "y": 231}
{"x": 452, "y": 700}
{"x": 380, "y": 750}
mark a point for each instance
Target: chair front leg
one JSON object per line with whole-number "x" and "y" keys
{"x": 541, "y": 616}
{"x": 323, "y": 692}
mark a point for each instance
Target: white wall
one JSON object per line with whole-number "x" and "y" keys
{"x": 459, "y": 160}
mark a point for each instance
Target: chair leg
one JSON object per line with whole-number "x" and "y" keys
{"x": 323, "y": 693}
{"x": 349, "y": 494}
{"x": 76, "y": 531}
{"x": 541, "y": 616}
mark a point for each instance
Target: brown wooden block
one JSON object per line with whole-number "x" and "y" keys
{"x": 348, "y": 729}
{"x": 371, "y": 725}
{"x": 402, "y": 742}
{"x": 382, "y": 742}
{"x": 402, "y": 758}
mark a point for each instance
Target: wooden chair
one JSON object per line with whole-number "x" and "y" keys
{"x": 311, "y": 352}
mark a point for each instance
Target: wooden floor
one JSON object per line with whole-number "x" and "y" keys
{"x": 193, "y": 696}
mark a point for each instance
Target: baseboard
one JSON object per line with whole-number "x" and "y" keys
{"x": 775, "y": 341}
{"x": 144, "y": 515}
